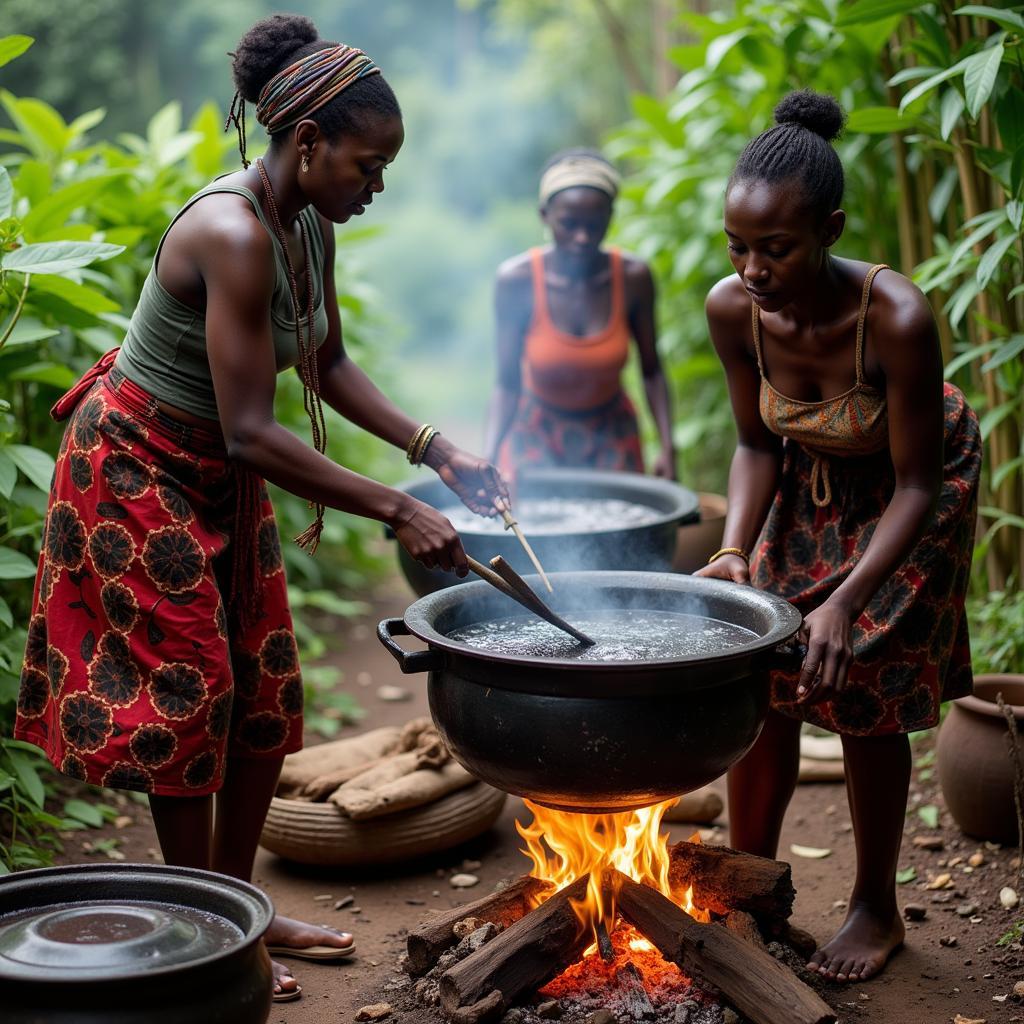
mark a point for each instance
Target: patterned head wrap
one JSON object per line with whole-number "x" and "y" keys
{"x": 301, "y": 89}
{"x": 577, "y": 170}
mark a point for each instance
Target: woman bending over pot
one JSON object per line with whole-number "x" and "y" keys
{"x": 852, "y": 493}
{"x": 566, "y": 314}
{"x": 161, "y": 655}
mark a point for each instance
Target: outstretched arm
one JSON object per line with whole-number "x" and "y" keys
{"x": 643, "y": 325}
{"x": 754, "y": 472}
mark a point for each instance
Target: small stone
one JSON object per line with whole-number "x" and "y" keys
{"x": 374, "y": 1011}
{"x": 364, "y": 679}
{"x": 958, "y": 1019}
{"x": 976, "y": 859}
{"x": 324, "y": 897}
{"x": 123, "y": 821}
{"x": 393, "y": 694}
{"x": 915, "y": 912}
{"x": 472, "y": 865}
{"x": 355, "y": 910}
{"x": 435, "y": 893}
{"x": 1018, "y": 989}
{"x": 415, "y": 903}
{"x": 999, "y": 999}
{"x": 839, "y": 905}
{"x": 1008, "y": 898}
{"x": 463, "y": 881}
{"x": 607, "y": 1017}
{"x": 551, "y": 1010}
{"x": 954, "y": 861}
{"x": 967, "y": 909}
{"x": 928, "y": 842}
{"x": 940, "y": 881}
{"x": 345, "y": 901}
{"x": 729, "y": 1015}
{"x": 943, "y": 897}
{"x": 513, "y": 1016}
{"x": 948, "y": 940}
{"x": 975, "y": 920}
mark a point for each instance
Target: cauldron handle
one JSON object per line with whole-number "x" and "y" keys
{"x": 408, "y": 661}
{"x": 787, "y": 657}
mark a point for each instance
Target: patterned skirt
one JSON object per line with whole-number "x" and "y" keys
{"x": 604, "y": 438}
{"x": 910, "y": 645}
{"x": 135, "y": 674}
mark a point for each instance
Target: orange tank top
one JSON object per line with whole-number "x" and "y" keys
{"x": 853, "y": 423}
{"x": 567, "y": 371}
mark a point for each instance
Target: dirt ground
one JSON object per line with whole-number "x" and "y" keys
{"x": 928, "y": 982}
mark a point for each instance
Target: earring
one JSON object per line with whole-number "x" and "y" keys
{"x": 305, "y": 162}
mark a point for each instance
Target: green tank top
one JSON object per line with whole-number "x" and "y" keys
{"x": 164, "y": 350}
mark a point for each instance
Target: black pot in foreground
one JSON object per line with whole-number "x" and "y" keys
{"x": 598, "y": 736}
{"x": 648, "y": 547}
{"x": 132, "y": 944}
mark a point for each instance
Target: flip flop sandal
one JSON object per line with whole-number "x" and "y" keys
{"x": 321, "y": 954}
{"x": 288, "y": 996}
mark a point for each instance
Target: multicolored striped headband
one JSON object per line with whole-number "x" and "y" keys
{"x": 301, "y": 89}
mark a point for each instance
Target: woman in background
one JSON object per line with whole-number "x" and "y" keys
{"x": 565, "y": 317}
{"x": 854, "y": 488}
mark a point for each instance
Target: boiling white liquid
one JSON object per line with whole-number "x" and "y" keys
{"x": 559, "y": 515}
{"x": 620, "y": 635}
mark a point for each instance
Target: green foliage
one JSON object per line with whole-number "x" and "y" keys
{"x": 997, "y": 636}
{"x": 79, "y": 223}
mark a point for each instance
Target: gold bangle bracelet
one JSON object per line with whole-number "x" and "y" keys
{"x": 729, "y": 551}
{"x": 415, "y": 440}
{"x": 426, "y": 444}
{"x": 421, "y": 446}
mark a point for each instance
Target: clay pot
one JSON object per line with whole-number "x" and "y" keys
{"x": 975, "y": 771}
{"x": 697, "y": 542}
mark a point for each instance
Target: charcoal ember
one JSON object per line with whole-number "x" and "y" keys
{"x": 915, "y": 912}
{"x": 474, "y": 940}
{"x": 426, "y": 991}
{"x": 446, "y": 960}
{"x": 466, "y": 926}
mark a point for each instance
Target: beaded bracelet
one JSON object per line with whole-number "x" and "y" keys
{"x": 729, "y": 551}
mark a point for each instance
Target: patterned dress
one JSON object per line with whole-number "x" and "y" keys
{"x": 136, "y": 674}
{"x": 910, "y": 645}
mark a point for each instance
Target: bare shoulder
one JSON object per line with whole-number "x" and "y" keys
{"x": 899, "y": 308}
{"x": 637, "y": 275}
{"x": 728, "y": 304}
{"x": 224, "y": 224}
{"x": 515, "y": 271}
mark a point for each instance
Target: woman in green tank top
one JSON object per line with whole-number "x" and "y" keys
{"x": 161, "y": 655}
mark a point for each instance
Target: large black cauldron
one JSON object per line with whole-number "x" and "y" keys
{"x": 132, "y": 944}
{"x": 649, "y": 547}
{"x": 598, "y": 736}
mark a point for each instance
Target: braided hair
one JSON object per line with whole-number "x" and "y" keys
{"x": 799, "y": 148}
{"x": 275, "y": 42}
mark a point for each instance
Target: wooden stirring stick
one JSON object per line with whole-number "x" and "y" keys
{"x": 511, "y": 524}
{"x": 533, "y": 602}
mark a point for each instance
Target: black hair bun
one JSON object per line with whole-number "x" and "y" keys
{"x": 265, "y": 48}
{"x": 815, "y": 111}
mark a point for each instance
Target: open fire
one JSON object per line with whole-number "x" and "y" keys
{"x": 563, "y": 847}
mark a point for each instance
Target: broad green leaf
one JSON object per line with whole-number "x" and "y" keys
{"x": 1010, "y": 118}
{"x": 878, "y": 121}
{"x": 1014, "y": 292}
{"x": 27, "y": 331}
{"x": 980, "y": 76}
{"x": 207, "y": 156}
{"x": 54, "y": 374}
{"x": 989, "y": 262}
{"x": 1015, "y": 213}
{"x": 929, "y": 814}
{"x": 925, "y": 87}
{"x": 905, "y": 875}
{"x": 37, "y": 465}
{"x": 718, "y": 48}
{"x": 83, "y": 812}
{"x": 164, "y": 125}
{"x": 13, "y": 46}
{"x": 78, "y": 295}
{"x": 86, "y": 122}
{"x": 1010, "y": 20}
{"x": 27, "y": 774}
{"x": 912, "y": 74}
{"x": 15, "y": 566}
{"x": 950, "y": 109}
{"x": 1005, "y": 470}
{"x": 941, "y": 194}
{"x": 6, "y": 194}
{"x": 6, "y": 616}
{"x": 960, "y": 301}
{"x": 57, "y": 257}
{"x": 873, "y": 10}
{"x": 34, "y": 181}
{"x": 1011, "y": 348}
{"x": 54, "y": 210}
{"x": 8, "y": 474}
{"x": 995, "y": 416}
{"x": 46, "y": 132}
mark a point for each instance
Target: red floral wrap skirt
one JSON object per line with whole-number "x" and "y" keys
{"x": 543, "y": 436}
{"x": 136, "y": 675}
{"x": 911, "y": 649}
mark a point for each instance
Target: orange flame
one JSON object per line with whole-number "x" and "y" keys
{"x": 564, "y": 846}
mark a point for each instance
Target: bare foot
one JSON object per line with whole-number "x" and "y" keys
{"x": 284, "y": 981}
{"x": 286, "y": 931}
{"x": 860, "y": 949}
